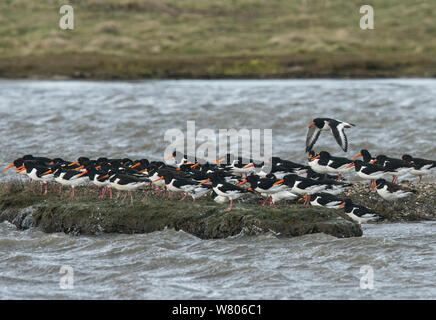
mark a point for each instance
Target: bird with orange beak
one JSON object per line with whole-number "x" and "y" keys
{"x": 336, "y": 127}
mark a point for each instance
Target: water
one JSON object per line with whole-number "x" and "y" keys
{"x": 176, "y": 265}
{"x": 117, "y": 119}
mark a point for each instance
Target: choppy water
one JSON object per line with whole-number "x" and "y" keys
{"x": 116, "y": 119}
{"x": 176, "y": 265}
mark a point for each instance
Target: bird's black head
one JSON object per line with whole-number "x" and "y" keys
{"x": 348, "y": 203}
{"x": 253, "y": 180}
{"x": 358, "y": 164}
{"x": 318, "y": 122}
{"x": 407, "y": 158}
{"x": 380, "y": 183}
{"x": 366, "y": 155}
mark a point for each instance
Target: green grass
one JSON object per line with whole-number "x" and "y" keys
{"x": 223, "y": 38}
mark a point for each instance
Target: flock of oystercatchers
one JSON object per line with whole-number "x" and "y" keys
{"x": 230, "y": 178}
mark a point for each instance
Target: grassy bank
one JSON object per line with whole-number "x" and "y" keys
{"x": 24, "y": 206}
{"x": 127, "y": 39}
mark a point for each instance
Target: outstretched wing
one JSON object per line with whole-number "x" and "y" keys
{"x": 339, "y": 134}
{"x": 312, "y": 135}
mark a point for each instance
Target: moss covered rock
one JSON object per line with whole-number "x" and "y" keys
{"x": 26, "y": 207}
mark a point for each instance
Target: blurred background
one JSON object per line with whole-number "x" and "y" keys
{"x": 134, "y": 39}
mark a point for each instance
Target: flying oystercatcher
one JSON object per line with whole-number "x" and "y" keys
{"x": 324, "y": 124}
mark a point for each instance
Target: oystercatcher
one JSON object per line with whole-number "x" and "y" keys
{"x": 37, "y": 172}
{"x": 314, "y": 164}
{"x": 225, "y": 189}
{"x": 68, "y": 177}
{"x": 367, "y": 158}
{"x": 129, "y": 183}
{"x": 177, "y": 184}
{"x": 303, "y": 186}
{"x": 359, "y": 213}
{"x": 324, "y": 200}
{"x": 421, "y": 166}
{"x": 390, "y": 191}
{"x": 265, "y": 186}
{"x": 283, "y": 195}
{"x": 333, "y": 164}
{"x": 394, "y": 167}
{"x": 368, "y": 171}
{"x": 323, "y": 124}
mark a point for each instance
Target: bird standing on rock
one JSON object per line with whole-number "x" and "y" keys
{"x": 324, "y": 124}
{"x": 391, "y": 192}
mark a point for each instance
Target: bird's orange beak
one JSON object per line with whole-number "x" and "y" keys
{"x": 350, "y": 166}
{"x": 135, "y": 165}
{"x": 47, "y": 172}
{"x": 249, "y": 166}
{"x": 22, "y": 169}
{"x": 278, "y": 182}
{"x": 158, "y": 179}
{"x": 79, "y": 168}
{"x": 207, "y": 180}
{"x": 82, "y": 173}
{"x": 242, "y": 182}
{"x": 312, "y": 124}
{"x": 314, "y": 158}
{"x": 341, "y": 205}
{"x": 73, "y": 163}
{"x": 373, "y": 160}
{"x": 9, "y": 166}
{"x": 19, "y": 168}
{"x": 356, "y": 156}
{"x": 142, "y": 171}
{"x": 220, "y": 160}
{"x": 169, "y": 157}
{"x": 105, "y": 176}
{"x": 194, "y": 165}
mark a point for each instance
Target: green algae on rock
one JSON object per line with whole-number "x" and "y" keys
{"x": 25, "y": 208}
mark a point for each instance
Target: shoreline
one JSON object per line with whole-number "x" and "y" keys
{"x": 110, "y": 67}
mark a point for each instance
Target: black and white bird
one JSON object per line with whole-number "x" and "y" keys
{"x": 364, "y": 153}
{"x": 394, "y": 167}
{"x": 421, "y": 166}
{"x": 391, "y": 192}
{"x": 265, "y": 186}
{"x": 225, "y": 189}
{"x": 324, "y": 124}
{"x": 333, "y": 164}
{"x": 314, "y": 164}
{"x": 324, "y": 200}
{"x": 359, "y": 213}
{"x": 368, "y": 171}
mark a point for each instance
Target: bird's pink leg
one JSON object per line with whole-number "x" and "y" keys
{"x": 231, "y": 205}
{"x": 183, "y": 198}
{"x": 420, "y": 178}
